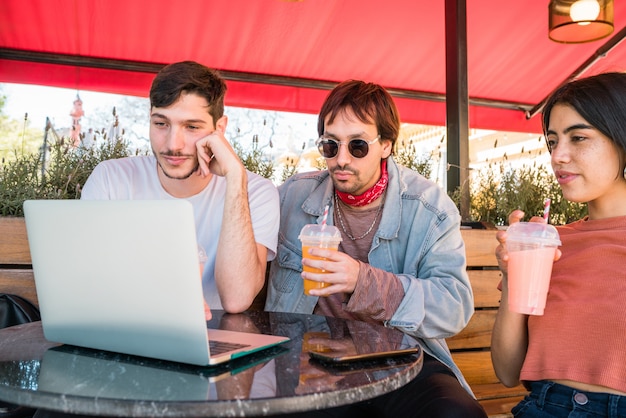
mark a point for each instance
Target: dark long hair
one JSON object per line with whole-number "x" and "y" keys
{"x": 600, "y": 100}
{"x": 189, "y": 77}
{"x": 370, "y": 103}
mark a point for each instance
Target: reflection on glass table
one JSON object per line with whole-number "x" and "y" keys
{"x": 37, "y": 373}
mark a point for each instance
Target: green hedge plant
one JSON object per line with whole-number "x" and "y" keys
{"x": 59, "y": 173}
{"x": 498, "y": 190}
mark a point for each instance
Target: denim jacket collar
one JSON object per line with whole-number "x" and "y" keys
{"x": 391, "y": 217}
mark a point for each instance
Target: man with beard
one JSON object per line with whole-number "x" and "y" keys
{"x": 236, "y": 211}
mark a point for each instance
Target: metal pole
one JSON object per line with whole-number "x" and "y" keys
{"x": 153, "y": 68}
{"x": 44, "y": 151}
{"x": 457, "y": 102}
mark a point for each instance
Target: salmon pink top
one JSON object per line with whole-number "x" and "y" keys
{"x": 582, "y": 334}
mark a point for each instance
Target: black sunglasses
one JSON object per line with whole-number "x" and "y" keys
{"x": 358, "y": 147}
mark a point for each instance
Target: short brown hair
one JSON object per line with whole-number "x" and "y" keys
{"x": 370, "y": 102}
{"x": 189, "y": 77}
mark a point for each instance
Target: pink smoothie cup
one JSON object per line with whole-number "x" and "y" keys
{"x": 531, "y": 247}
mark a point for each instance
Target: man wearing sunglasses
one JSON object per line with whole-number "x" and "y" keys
{"x": 401, "y": 261}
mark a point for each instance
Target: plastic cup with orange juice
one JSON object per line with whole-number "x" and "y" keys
{"x": 318, "y": 236}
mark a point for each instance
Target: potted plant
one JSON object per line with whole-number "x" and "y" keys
{"x": 500, "y": 189}
{"x": 57, "y": 173}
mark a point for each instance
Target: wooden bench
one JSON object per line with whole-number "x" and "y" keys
{"x": 16, "y": 272}
{"x": 471, "y": 348}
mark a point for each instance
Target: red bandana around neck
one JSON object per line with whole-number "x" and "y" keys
{"x": 370, "y": 194}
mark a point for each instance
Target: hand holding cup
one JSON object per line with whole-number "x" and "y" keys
{"x": 531, "y": 250}
{"x": 317, "y": 236}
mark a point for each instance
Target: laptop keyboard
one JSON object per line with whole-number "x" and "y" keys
{"x": 221, "y": 347}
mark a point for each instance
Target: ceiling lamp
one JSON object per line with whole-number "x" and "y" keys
{"x": 577, "y": 21}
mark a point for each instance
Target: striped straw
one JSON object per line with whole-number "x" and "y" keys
{"x": 546, "y": 210}
{"x": 325, "y": 215}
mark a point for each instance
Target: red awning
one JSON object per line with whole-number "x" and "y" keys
{"x": 398, "y": 43}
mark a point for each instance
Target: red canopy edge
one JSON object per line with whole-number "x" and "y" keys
{"x": 251, "y": 94}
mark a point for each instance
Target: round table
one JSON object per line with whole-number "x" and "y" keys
{"x": 41, "y": 374}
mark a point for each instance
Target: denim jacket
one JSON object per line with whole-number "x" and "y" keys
{"x": 418, "y": 239}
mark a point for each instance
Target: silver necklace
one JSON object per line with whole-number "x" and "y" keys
{"x": 343, "y": 226}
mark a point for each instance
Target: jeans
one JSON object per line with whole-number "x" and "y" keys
{"x": 549, "y": 399}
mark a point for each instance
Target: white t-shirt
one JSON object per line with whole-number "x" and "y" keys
{"x": 136, "y": 178}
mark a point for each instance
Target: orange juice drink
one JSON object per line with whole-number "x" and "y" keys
{"x": 308, "y": 346}
{"x": 317, "y": 236}
{"x": 310, "y": 284}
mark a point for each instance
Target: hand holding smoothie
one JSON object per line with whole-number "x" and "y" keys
{"x": 531, "y": 247}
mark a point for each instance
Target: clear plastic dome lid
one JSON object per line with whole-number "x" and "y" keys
{"x": 534, "y": 232}
{"x": 319, "y": 232}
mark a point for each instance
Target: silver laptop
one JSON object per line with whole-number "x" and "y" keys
{"x": 124, "y": 276}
